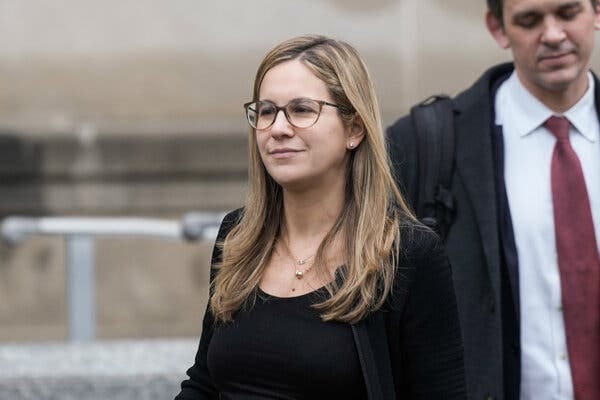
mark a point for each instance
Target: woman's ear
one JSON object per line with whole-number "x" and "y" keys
{"x": 356, "y": 133}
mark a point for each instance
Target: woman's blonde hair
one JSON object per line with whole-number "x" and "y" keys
{"x": 370, "y": 218}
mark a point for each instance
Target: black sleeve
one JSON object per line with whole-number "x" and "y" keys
{"x": 431, "y": 337}
{"x": 403, "y": 154}
{"x": 199, "y": 385}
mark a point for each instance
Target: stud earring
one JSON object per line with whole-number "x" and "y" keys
{"x": 351, "y": 145}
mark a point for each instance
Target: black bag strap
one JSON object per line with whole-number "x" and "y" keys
{"x": 433, "y": 120}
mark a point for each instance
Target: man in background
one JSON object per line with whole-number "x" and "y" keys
{"x": 524, "y": 241}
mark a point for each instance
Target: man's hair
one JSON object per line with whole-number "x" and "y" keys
{"x": 495, "y": 7}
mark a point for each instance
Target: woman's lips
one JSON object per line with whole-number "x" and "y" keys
{"x": 283, "y": 153}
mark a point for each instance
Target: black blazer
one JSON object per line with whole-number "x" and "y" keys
{"x": 411, "y": 349}
{"x": 473, "y": 242}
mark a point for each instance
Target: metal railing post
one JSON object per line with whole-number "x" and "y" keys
{"x": 80, "y": 234}
{"x": 81, "y": 286}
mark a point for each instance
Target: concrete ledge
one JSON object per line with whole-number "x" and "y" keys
{"x": 116, "y": 370}
{"x": 127, "y": 173}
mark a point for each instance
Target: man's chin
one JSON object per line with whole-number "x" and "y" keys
{"x": 559, "y": 80}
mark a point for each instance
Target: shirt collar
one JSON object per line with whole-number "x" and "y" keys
{"x": 533, "y": 113}
{"x": 583, "y": 114}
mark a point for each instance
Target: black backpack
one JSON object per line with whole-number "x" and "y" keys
{"x": 433, "y": 120}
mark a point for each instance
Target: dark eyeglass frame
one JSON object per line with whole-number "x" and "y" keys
{"x": 285, "y": 112}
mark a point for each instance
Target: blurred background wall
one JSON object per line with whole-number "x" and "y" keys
{"x": 132, "y": 107}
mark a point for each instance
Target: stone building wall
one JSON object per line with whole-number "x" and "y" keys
{"x": 131, "y": 107}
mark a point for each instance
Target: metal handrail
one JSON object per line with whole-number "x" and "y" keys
{"x": 80, "y": 234}
{"x": 193, "y": 226}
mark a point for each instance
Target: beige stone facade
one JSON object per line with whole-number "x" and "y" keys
{"x": 131, "y": 107}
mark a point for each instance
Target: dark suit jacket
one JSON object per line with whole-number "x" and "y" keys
{"x": 412, "y": 349}
{"x": 473, "y": 242}
{"x": 480, "y": 243}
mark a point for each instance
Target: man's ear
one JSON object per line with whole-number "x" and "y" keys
{"x": 496, "y": 28}
{"x": 597, "y": 19}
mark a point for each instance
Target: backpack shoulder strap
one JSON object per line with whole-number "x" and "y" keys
{"x": 433, "y": 120}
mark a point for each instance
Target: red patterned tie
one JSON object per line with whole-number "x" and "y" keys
{"x": 579, "y": 263}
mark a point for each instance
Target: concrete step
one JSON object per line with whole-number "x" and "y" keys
{"x": 101, "y": 370}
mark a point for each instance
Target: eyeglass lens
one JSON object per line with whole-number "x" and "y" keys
{"x": 301, "y": 113}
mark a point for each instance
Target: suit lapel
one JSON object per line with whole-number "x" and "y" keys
{"x": 475, "y": 164}
{"x": 596, "y": 94}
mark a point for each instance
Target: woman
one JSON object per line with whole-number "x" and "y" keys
{"x": 324, "y": 286}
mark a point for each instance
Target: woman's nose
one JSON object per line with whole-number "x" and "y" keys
{"x": 281, "y": 126}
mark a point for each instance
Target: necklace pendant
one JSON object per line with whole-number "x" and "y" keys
{"x": 299, "y": 274}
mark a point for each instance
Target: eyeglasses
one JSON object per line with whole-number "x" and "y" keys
{"x": 301, "y": 112}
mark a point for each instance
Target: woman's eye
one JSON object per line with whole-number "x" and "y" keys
{"x": 304, "y": 107}
{"x": 266, "y": 111}
{"x": 302, "y": 110}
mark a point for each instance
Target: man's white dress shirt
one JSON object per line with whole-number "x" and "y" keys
{"x": 528, "y": 146}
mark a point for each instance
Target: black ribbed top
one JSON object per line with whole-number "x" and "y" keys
{"x": 280, "y": 349}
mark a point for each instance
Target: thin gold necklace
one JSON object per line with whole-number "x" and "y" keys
{"x": 298, "y": 262}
